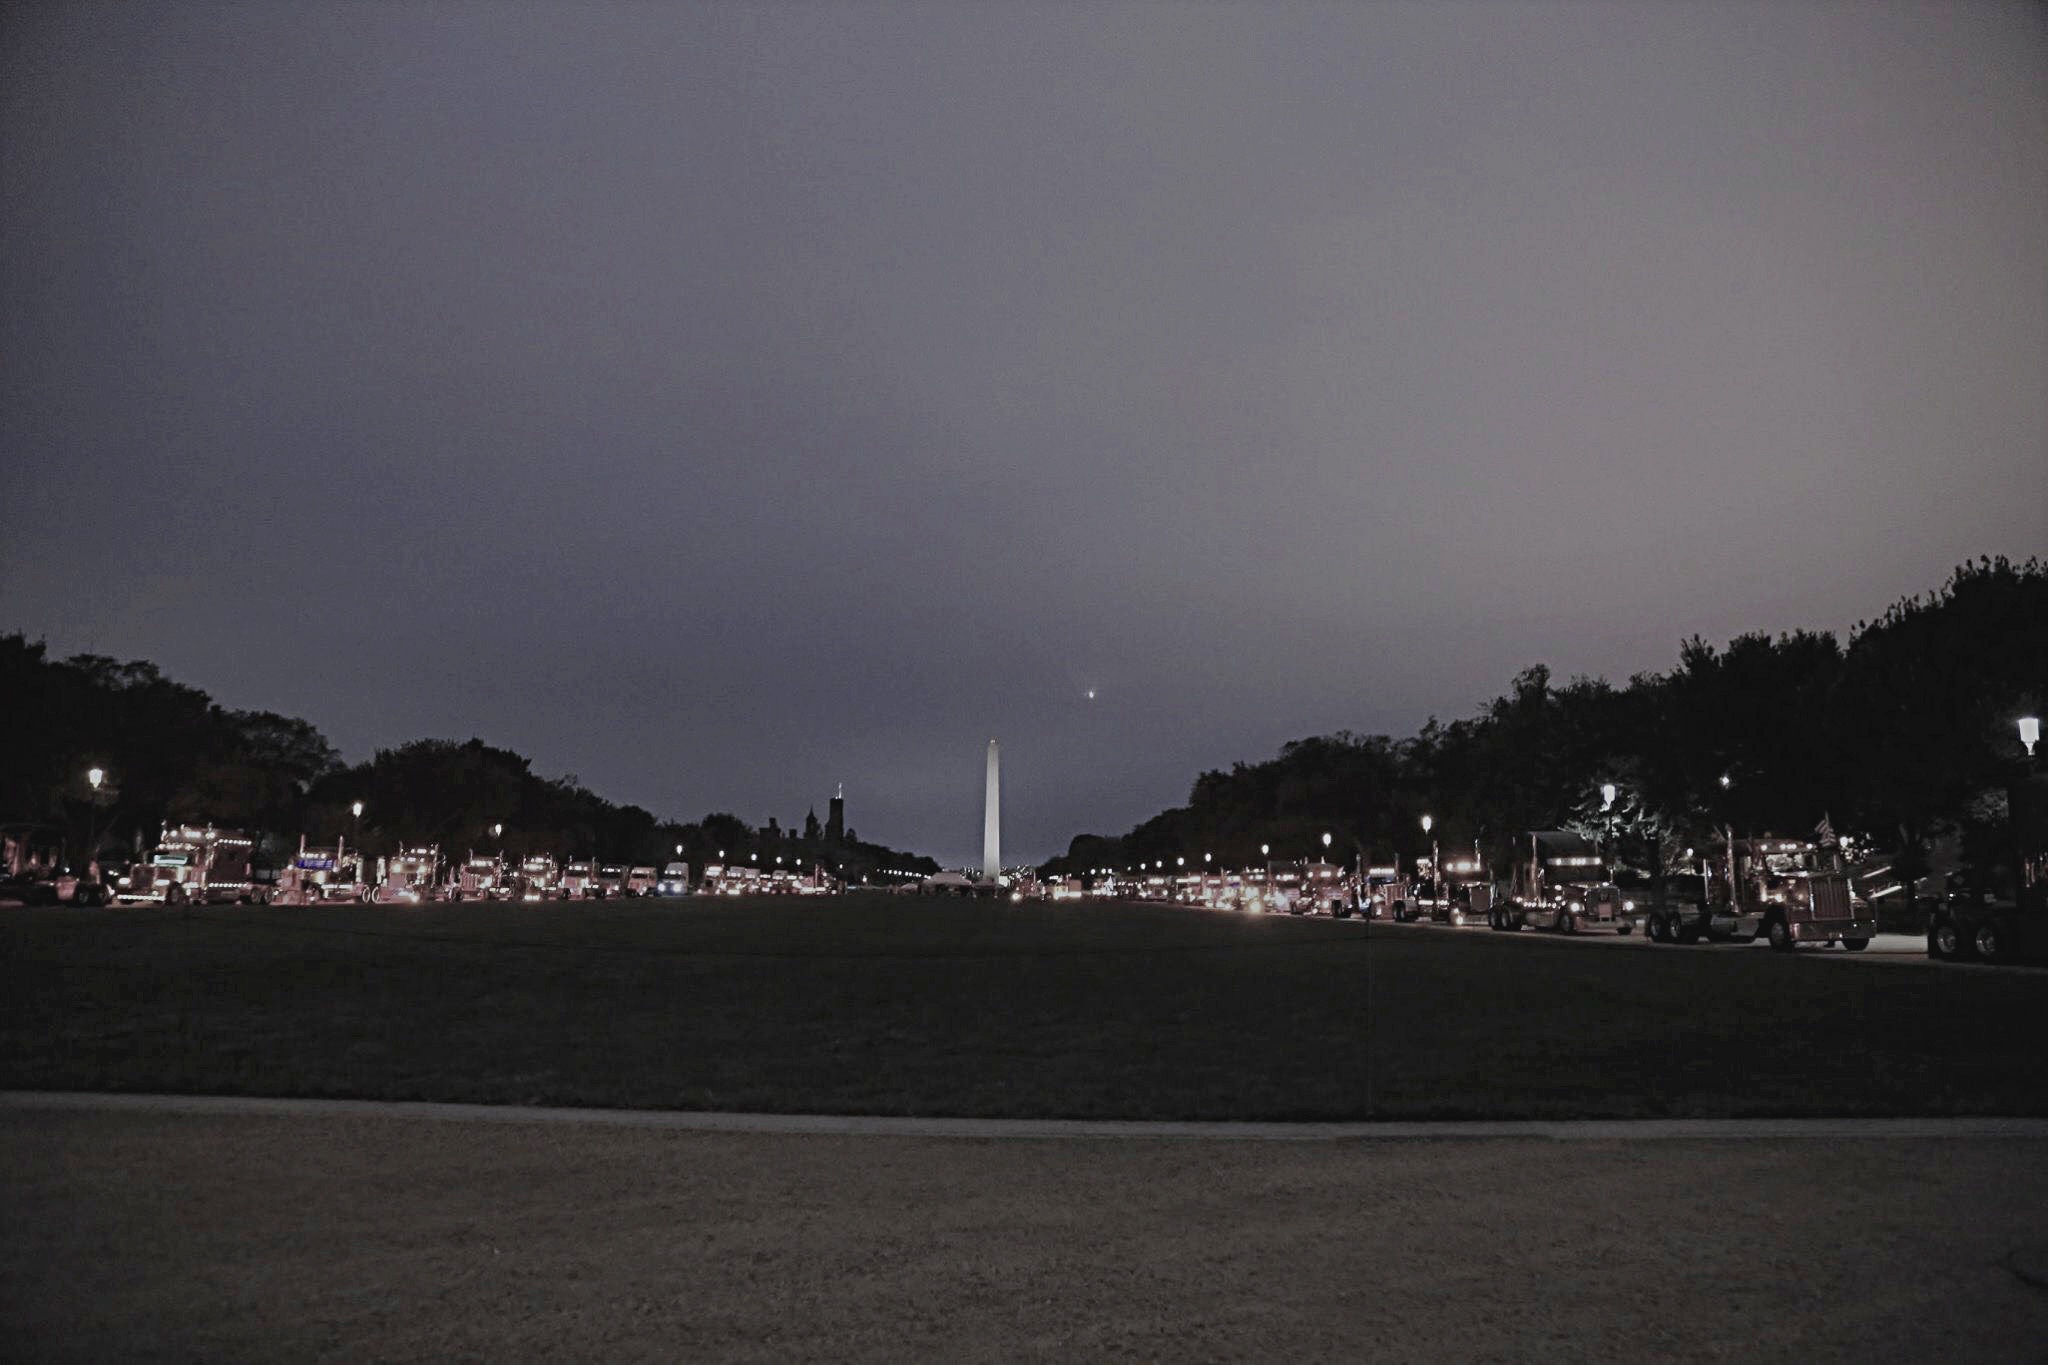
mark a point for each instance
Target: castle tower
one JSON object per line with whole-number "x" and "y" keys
{"x": 992, "y": 817}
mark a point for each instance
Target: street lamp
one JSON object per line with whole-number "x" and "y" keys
{"x": 2030, "y": 732}
{"x": 1607, "y": 796}
{"x": 498, "y": 830}
{"x": 95, "y": 776}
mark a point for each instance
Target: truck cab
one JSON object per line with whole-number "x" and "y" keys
{"x": 191, "y": 865}
{"x": 1464, "y": 891}
{"x": 611, "y": 880}
{"x": 1560, "y": 882}
{"x": 1787, "y": 891}
{"x": 408, "y": 876}
{"x": 481, "y": 877}
{"x": 579, "y": 881}
{"x": 1993, "y": 912}
{"x": 537, "y": 878}
{"x": 319, "y": 873}
{"x": 640, "y": 881}
{"x": 674, "y": 880}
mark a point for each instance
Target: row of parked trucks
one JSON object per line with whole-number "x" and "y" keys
{"x": 201, "y": 865}
{"x": 1785, "y": 891}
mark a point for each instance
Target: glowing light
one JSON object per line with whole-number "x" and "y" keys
{"x": 1607, "y": 796}
{"x": 1428, "y": 821}
{"x": 2030, "y": 732}
{"x": 99, "y": 775}
{"x": 356, "y": 810}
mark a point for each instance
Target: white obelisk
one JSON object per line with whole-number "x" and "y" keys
{"x": 992, "y": 817}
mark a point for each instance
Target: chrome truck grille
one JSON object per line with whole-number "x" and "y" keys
{"x": 1831, "y": 898}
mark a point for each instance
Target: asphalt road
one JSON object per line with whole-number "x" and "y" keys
{"x": 139, "y": 1235}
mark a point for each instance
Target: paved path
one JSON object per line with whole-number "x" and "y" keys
{"x": 856, "y": 1125}
{"x": 185, "y": 1231}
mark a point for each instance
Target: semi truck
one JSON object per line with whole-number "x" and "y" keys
{"x": 319, "y": 873}
{"x": 640, "y": 880}
{"x": 1560, "y": 882}
{"x": 481, "y": 877}
{"x": 1383, "y": 894}
{"x": 1463, "y": 892}
{"x": 537, "y": 878}
{"x": 611, "y": 881}
{"x": 674, "y": 880}
{"x": 1787, "y": 891}
{"x": 409, "y": 875}
{"x": 191, "y": 865}
{"x": 579, "y": 881}
{"x": 1993, "y": 912}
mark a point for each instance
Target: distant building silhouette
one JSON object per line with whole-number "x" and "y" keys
{"x": 835, "y": 817}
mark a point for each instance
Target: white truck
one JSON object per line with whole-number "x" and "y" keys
{"x": 674, "y": 880}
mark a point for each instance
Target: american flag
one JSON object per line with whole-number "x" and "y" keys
{"x": 1824, "y": 832}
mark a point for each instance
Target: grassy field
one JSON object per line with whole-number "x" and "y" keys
{"x": 903, "y": 1006}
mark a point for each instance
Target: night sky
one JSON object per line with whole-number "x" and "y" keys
{"x": 719, "y": 402}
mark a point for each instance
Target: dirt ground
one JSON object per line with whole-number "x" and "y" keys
{"x": 241, "y": 1237}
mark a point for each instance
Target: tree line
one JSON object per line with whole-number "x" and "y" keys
{"x": 165, "y": 751}
{"x": 1904, "y": 734}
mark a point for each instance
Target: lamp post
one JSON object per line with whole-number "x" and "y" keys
{"x": 95, "y": 778}
{"x": 1435, "y": 876}
{"x": 2022, "y": 813}
{"x": 1608, "y": 791}
{"x": 1266, "y": 852}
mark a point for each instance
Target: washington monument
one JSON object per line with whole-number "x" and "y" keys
{"x": 992, "y": 817}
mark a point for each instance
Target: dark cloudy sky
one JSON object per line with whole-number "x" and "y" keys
{"x": 721, "y": 401}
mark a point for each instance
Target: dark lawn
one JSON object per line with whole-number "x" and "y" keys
{"x": 904, "y": 1006}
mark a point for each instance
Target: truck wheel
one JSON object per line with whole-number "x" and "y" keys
{"x": 1989, "y": 943}
{"x": 175, "y": 895}
{"x": 1624, "y": 928}
{"x": 1855, "y": 945}
{"x": 1781, "y": 936}
{"x": 1568, "y": 924}
{"x": 1944, "y": 944}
